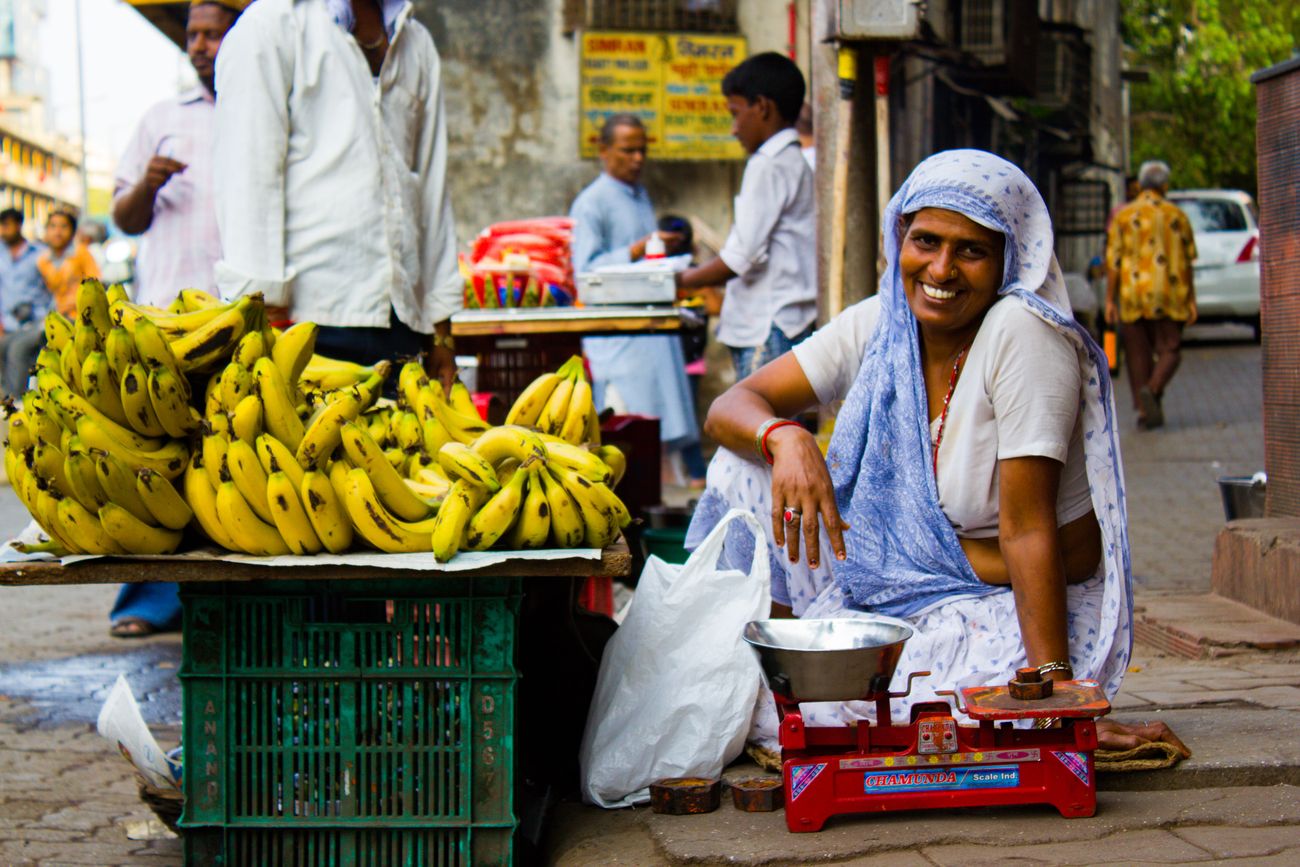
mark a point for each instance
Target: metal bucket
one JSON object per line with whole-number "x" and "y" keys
{"x": 828, "y": 660}
{"x": 1243, "y": 496}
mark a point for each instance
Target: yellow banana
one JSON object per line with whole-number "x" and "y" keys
{"x": 602, "y": 524}
{"x": 568, "y": 527}
{"x": 236, "y": 383}
{"x": 137, "y": 406}
{"x": 246, "y": 420}
{"x": 461, "y": 400}
{"x": 613, "y": 458}
{"x": 116, "y": 293}
{"x": 219, "y": 423}
{"x": 247, "y": 474}
{"x": 449, "y": 527}
{"x": 324, "y": 431}
{"x": 376, "y": 526}
{"x": 251, "y": 347}
{"x": 58, "y": 331}
{"x": 169, "y": 460}
{"x": 434, "y": 493}
{"x": 44, "y": 427}
{"x": 47, "y": 461}
{"x": 84, "y": 480}
{"x": 202, "y": 499}
{"x": 197, "y": 299}
{"x": 396, "y": 458}
{"x": 209, "y": 343}
{"x": 117, "y": 480}
{"x": 101, "y": 388}
{"x": 76, "y": 521}
{"x": 578, "y": 459}
{"x": 434, "y": 435}
{"x": 70, "y": 366}
{"x": 120, "y": 349}
{"x": 460, "y": 427}
{"x": 213, "y": 448}
{"x": 410, "y": 379}
{"x": 47, "y": 514}
{"x": 533, "y": 526}
{"x": 279, "y": 414}
{"x": 459, "y": 461}
{"x": 275, "y": 456}
{"x": 528, "y": 406}
{"x": 495, "y": 518}
{"x": 410, "y": 434}
{"x": 92, "y": 307}
{"x": 163, "y": 501}
{"x": 557, "y": 405}
{"x": 48, "y": 359}
{"x": 289, "y": 516}
{"x": 170, "y": 403}
{"x": 153, "y": 349}
{"x": 19, "y": 431}
{"x": 388, "y": 484}
{"x": 326, "y": 512}
{"x": 575, "y": 425}
{"x": 70, "y": 407}
{"x": 135, "y": 535}
{"x": 293, "y": 350}
{"x": 247, "y": 531}
{"x": 86, "y": 339}
{"x": 508, "y": 441}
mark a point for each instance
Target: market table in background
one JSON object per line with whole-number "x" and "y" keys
{"x": 334, "y": 711}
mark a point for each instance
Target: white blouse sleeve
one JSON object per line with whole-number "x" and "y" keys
{"x": 1034, "y": 384}
{"x": 832, "y": 356}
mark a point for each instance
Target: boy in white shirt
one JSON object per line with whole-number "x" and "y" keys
{"x": 770, "y": 259}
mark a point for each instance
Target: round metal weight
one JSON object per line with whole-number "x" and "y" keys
{"x": 685, "y": 796}
{"x": 758, "y": 795}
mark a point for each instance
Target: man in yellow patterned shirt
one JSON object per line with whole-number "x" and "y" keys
{"x": 1149, "y": 288}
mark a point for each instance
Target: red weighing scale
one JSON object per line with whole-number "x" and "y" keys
{"x": 930, "y": 761}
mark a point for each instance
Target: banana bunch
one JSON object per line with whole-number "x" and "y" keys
{"x": 559, "y": 404}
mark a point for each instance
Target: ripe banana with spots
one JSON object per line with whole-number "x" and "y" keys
{"x": 328, "y": 516}
{"x": 452, "y": 521}
{"x": 247, "y": 531}
{"x": 392, "y": 490}
{"x": 532, "y": 526}
{"x": 376, "y": 525}
{"x": 289, "y": 516}
{"x": 163, "y": 501}
{"x": 461, "y": 462}
{"x": 134, "y": 535}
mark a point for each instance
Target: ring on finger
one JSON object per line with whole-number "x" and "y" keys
{"x": 791, "y": 514}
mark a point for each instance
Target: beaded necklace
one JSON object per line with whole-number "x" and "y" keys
{"x": 947, "y": 398}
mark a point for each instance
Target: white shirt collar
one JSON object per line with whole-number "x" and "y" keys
{"x": 194, "y": 94}
{"x": 341, "y": 10}
{"x": 781, "y": 140}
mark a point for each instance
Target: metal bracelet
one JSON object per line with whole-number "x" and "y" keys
{"x": 1049, "y": 667}
{"x": 762, "y": 433}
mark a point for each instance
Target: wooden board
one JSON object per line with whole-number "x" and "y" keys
{"x": 615, "y": 561}
{"x": 564, "y": 320}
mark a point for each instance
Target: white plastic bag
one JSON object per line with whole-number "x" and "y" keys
{"x": 677, "y": 683}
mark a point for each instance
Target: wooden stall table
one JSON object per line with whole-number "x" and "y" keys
{"x": 332, "y": 711}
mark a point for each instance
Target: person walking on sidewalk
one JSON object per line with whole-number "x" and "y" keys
{"x": 1149, "y": 288}
{"x": 769, "y": 261}
{"x": 164, "y": 184}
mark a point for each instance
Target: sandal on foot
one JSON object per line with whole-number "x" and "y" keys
{"x": 132, "y": 627}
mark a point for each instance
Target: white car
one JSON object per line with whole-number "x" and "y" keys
{"x": 1226, "y": 272}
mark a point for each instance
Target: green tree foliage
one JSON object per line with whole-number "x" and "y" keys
{"x": 1197, "y": 112}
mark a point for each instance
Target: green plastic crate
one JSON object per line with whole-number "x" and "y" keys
{"x": 331, "y": 711}
{"x": 668, "y": 543}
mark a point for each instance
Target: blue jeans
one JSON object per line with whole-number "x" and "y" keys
{"x": 749, "y": 359}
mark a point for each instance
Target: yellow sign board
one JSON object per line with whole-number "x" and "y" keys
{"x": 672, "y": 81}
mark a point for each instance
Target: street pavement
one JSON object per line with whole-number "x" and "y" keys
{"x": 65, "y": 798}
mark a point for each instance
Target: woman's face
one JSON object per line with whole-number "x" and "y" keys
{"x": 58, "y": 231}
{"x": 952, "y": 270}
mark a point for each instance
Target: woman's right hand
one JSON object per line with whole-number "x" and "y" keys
{"x": 801, "y": 482}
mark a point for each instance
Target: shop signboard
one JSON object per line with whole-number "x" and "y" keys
{"x": 672, "y": 81}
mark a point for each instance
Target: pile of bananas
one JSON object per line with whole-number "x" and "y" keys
{"x": 291, "y": 452}
{"x": 95, "y": 450}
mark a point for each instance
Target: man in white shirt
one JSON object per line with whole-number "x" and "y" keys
{"x": 332, "y": 154}
{"x": 163, "y": 186}
{"x": 770, "y": 259}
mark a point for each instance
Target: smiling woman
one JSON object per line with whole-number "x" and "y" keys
{"x": 972, "y": 484}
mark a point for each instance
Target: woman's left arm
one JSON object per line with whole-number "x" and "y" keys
{"x": 1030, "y": 545}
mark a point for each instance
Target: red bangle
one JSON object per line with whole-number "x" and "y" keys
{"x": 762, "y": 443}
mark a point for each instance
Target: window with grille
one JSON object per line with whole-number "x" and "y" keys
{"x": 1064, "y": 68}
{"x": 699, "y": 16}
{"x": 982, "y": 30}
{"x": 1083, "y": 207}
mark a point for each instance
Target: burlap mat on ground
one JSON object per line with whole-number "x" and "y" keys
{"x": 1151, "y": 756}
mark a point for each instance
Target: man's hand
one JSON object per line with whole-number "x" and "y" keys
{"x": 440, "y": 364}
{"x": 1112, "y": 313}
{"x": 159, "y": 172}
{"x": 1191, "y": 311}
{"x": 277, "y": 314}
